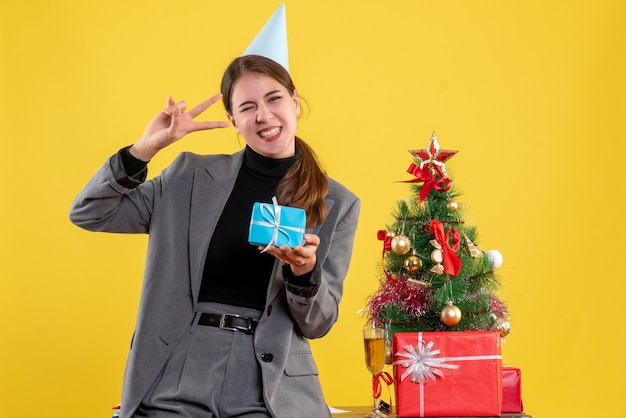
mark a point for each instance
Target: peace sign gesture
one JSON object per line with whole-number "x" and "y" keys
{"x": 171, "y": 124}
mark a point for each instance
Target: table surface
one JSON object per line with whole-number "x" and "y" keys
{"x": 361, "y": 411}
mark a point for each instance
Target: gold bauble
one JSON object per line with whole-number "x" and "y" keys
{"x": 391, "y": 234}
{"x": 451, "y": 314}
{"x": 503, "y": 326}
{"x": 412, "y": 264}
{"x": 400, "y": 244}
{"x": 452, "y": 205}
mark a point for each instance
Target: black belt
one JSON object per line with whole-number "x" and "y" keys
{"x": 228, "y": 322}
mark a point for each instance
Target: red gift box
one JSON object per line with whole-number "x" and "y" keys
{"x": 511, "y": 389}
{"x": 448, "y": 373}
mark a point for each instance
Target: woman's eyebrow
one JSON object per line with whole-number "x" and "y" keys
{"x": 251, "y": 102}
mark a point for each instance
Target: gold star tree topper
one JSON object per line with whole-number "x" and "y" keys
{"x": 433, "y": 157}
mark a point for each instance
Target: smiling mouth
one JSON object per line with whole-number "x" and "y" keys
{"x": 269, "y": 132}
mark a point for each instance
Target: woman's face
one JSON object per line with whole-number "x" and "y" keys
{"x": 265, "y": 114}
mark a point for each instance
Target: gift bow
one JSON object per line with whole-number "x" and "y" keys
{"x": 271, "y": 218}
{"x": 441, "y": 185}
{"x": 451, "y": 262}
{"x": 377, "y": 387}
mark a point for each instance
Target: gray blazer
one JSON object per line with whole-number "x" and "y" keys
{"x": 180, "y": 209}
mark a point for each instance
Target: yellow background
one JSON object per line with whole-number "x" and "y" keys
{"x": 532, "y": 94}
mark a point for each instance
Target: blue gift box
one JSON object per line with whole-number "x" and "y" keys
{"x": 272, "y": 224}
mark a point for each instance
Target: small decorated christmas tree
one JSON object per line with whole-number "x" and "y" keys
{"x": 434, "y": 275}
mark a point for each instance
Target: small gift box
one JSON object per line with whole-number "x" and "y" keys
{"x": 511, "y": 390}
{"x": 448, "y": 373}
{"x": 272, "y": 224}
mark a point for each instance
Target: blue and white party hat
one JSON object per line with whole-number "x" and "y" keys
{"x": 271, "y": 41}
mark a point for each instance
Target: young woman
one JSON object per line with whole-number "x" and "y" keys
{"x": 223, "y": 328}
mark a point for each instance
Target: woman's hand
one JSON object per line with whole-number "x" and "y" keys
{"x": 170, "y": 125}
{"x": 301, "y": 258}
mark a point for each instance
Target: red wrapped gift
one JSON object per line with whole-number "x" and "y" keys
{"x": 511, "y": 389}
{"x": 448, "y": 373}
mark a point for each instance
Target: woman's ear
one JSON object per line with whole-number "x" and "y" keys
{"x": 296, "y": 100}
{"x": 232, "y": 122}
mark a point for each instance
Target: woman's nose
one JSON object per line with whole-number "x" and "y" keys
{"x": 263, "y": 114}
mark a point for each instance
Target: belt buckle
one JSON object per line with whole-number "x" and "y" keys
{"x": 223, "y": 323}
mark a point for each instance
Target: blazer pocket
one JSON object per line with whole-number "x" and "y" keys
{"x": 300, "y": 364}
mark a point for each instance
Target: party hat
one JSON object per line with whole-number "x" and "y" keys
{"x": 271, "y": 41}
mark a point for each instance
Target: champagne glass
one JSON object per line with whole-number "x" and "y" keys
{"x": 374, "y": 339}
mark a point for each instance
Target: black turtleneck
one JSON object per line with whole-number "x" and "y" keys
{"x": 235, "y": 272}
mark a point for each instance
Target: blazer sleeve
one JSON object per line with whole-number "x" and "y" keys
{"x": 315, "y": 309}
{"x": 113, "y": 201}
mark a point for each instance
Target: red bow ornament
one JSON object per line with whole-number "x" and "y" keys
{"x": 441, "y": 184}
{"x": 451, "y": 262}
{"x": 383, "y": 236}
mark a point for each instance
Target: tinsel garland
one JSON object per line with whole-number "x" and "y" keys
{"x": 410, "y": 299}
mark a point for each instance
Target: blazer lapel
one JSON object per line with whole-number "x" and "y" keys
{"x": 211, "y": 189}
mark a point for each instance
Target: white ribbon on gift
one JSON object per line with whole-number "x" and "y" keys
{"x": 422, "y": 364}
{"x": 271, "y": 218}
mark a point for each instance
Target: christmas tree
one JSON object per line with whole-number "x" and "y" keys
{"x": 434, "y": 275}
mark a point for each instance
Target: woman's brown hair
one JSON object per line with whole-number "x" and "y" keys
{"x": 305, "y": 185}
